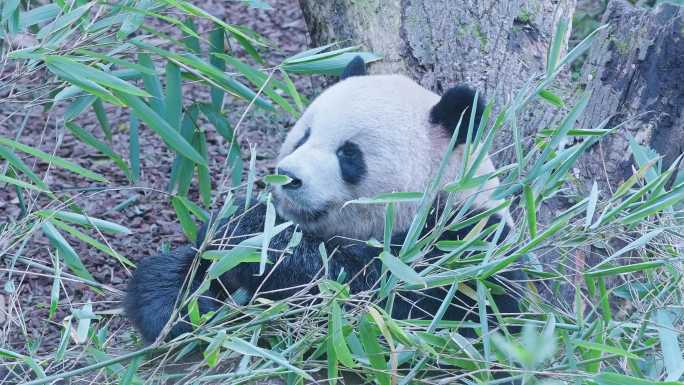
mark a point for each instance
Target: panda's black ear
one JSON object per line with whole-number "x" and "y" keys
{"x": 356, "y": 67}
{"x": 448, "y": 111}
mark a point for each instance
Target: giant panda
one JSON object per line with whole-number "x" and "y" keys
{"x": 364, "y": 135}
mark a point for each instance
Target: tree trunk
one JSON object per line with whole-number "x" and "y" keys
{"x": 635, "y": 71}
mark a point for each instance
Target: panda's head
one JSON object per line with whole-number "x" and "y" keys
{"x": 363, "y": 136}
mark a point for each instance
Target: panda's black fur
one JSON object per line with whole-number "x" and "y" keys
{"x": 157, "y": 282}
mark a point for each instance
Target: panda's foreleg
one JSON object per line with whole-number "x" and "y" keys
{"x": 297, "y": 270}
{"x": 286, "y": 273}
{"x": 154, "y": 290}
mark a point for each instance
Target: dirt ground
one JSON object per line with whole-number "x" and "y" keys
{"x": 24, "y": 324}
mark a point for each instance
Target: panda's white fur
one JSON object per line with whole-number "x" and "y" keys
{"x": 380, "y": 113}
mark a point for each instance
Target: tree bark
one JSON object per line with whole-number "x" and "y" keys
{"x": 636, "y": 71}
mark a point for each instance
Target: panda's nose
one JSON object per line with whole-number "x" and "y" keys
{"x": 295, "y": 182}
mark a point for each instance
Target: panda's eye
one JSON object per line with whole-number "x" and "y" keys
{"x": 348, "y": 150}
{"x": 352, "y": 165}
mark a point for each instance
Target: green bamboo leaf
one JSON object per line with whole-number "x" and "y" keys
{"x": 114, "y": 60}
{"x": 134, "y": 18}
{"x": 91, "y": 140}
{"x": 84, "y": 84}
{"x": 101, "y": 116}
{"x": 217, "y": 45}
{"x": 78, "y": 105}
{"x": 588, "y": 132}
{"x": 83, "y": 220}
{"x": 243, "y": 347}
{"x": 606, "y": 349}
{"x": 636, "y": 244}
{"x": 212, "y": 351}
{"x": 10, "y": 15}
{"x": 401, "y": 270}
{"x": 621, "y": 379}
{"x": 258, "y": 79}
{"x": 561, "y": 133}
{"x": 665, "y": 201}
{"x": 162, "y": 128}
{"x": 277, "y": 180}
{"x": 464, "y": 184}
{"x": 134, "y": 148}
{"x": 173, "y": 104}
{"x": 54, "y": 291}
{"x": 555, "y": 227}
{"x": 644, "y": 155}
{"x": 292, "y": 91}
{"x": 269, "y": 224}
{"x": 333, "y": 362}
{"x": 318, "y": 55}
{"x": 194, "y": 10}
{"x": 129, "y": 377}
{"x": 580, "y": 48}
{"x": 64, "y": 340}
{"x": 64, "y": 21}
{"x": 19, "y": 165}
{"x": 35, "y": 367}
{"x": 153, "y": 85}
{"x": 669, "y": 341}
{"x": 330, "y": 65}
{"x": 251, "y": 175}
{"x": 49, "y": 158}
{"x": 92, "y": 242}
{"x": 183, "y": 169}
{"x": 556, "y": 46}
{"x": 197, "y": 211}
{"x": 338, "y": 340}
{"x": 20, "y": 184}
{"x": 217, "y": 119}
{"x": 187, "y": 224}
{"x": 67, "y": 65}
{"x": 552, "y": 98}
{"x": 591, "y": 205}
{"x": 624, "y": 269}
{"x": 460, "y": 224}
{"x": 38, "y": 15}
{"x": 369, "y": 337}
{"x": 385, "y": 198}
{"x": 208, "y": 72}
{"x": 85, "y": 316}
{"x": 226, "y": 260}
{"x": 71, "y": 259}
{"x": 111, "y": 21}
{"x": 530, "y": 210}
{"x": 242, "y": 252}
{"x": 310, "y": 52}
{"x": 203, "y": 172}
{"x": 608, "y": 213}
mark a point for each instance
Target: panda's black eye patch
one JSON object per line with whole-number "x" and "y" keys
{"x": 303, "y": 139}
{"x": 352, "y": 165}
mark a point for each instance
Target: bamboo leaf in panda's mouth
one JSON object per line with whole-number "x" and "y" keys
{"x": 277, "y": 180}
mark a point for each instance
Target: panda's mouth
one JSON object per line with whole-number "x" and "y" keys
{"x": 291, "y": 211}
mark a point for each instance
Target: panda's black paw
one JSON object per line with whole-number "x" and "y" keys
{"x": 153, "y": 290}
